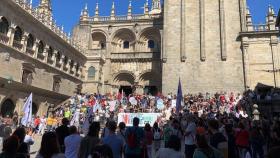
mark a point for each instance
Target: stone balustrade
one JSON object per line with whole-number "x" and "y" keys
{"x": 119, "y": 18}
{"x": 262, "y": 27}
{"x": 135, "y": 56}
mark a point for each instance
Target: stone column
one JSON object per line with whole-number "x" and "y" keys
{"x": 246, "y": 64}
{"x": 222, "y": 30}
{"x": 163, "y": 54}
{"x": 68, "y": 66}
{"x": 54, "y": 57}
{"x": 242, "y": 8}
{"x": 202, "y": 29}
{"x": 11, "y": 34}
{"x": 45, "y": 53}
{"x": 183, "y": 32}
{"x": 275, "y": 60}
{"x": 35, "y": 47}
{"x": 24, "y": 41}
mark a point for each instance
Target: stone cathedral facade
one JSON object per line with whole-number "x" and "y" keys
{"x": 211, "y": 45}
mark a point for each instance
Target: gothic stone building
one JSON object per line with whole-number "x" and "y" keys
{"x": 36, "y": 57}
{"x": 212, "y": 45}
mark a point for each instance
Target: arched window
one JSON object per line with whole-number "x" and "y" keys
{"x": 151, "y": 44}
{"x": 50, "y": 52}
{"x": 34, "y": 108}
{"x": 58, "y": 56}
{"x": 41, "y": 47}
{"x": 30, "y": 41}
{"x": 18, "y": 34}
{"x": 71, "y": 64}
{"x": 65, "y": 60}
{"x": 91, "y": 72}
{"x": 4, "y": 25}
{"x": 7, "y": 108}
{"x": 125, "y": 45}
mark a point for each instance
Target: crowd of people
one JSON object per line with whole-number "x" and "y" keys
{"x": 204, "y": 126}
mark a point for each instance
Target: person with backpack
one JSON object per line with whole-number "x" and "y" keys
{"x": 157, "y": 136}
{"x": 134, "y": 140}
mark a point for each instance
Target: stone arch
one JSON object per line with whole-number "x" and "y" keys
{"x": 150, "y": 81}
{"x": 98, "y": 39}
{"x": 18, "y": 34}
{"x": 4, "y": 25}
{"x": 147, "y": 35}
{"x": 121, "y": 37}
{"x": 7, "y": 107}
{"x": 124, "y": 78}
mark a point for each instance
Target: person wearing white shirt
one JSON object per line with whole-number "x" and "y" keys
{"x": 173, "y": 149}
{"x": 72, "y": 143}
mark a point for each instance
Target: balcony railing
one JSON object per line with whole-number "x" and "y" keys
{"x": 260, "y": 27}
{"x": 30, "y": 51}
{"x": 136, "y": 55}
{"x": 4, "y": 38}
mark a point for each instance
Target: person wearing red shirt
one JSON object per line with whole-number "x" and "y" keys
{"x": 242, "y": 140}
{"x": 37, "y": 123}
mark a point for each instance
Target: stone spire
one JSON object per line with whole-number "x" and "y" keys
{"x": 156, "y": 7}
{"x": 96, "y": 14}
{"x": 146, "y": 8}
{"x": 113, "y": 11}
{"x": 129, "y": 11}
{"x": 45, "y": 9}
{"x": 271, "y": 18}
{"x": 249, "y": 23}
{"x": 84, "y": 14}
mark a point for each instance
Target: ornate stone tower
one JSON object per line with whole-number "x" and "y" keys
{"x": 45, "y": 9}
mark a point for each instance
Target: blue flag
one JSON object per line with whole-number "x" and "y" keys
{"x": 179, "y": 97}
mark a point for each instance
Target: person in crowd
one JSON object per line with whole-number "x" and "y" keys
{"x": 173, "y": 149}
{"x": 112, "y": 140}
{"x": 102, "y": 151}
{"x": 148, "y": 140}
{"x": 42, "y": 125}
{"x": 274, "y": 152}
{"x": 72, "y": 143}
{"x": 231, "y": 141}
{"x": 121, "y": 131}
{"x": 203, "y": 150}
{"x": 23, "y": 147}
{"x": 36, "y": 123}
{"x": 257, "y": 142}
{"x": 10, "y": 147}
{"x": 242, "y": 140}
{"x": 275, "y": 136}
{"x": 49, "y": 147}
{"x": 157, "y": 134}
{"x": 167, "y": 132}
{"x": 217, "y": 139}
{"x": 50, "y": 121}
{"x": 62, "y": 132}
{"x": 190, "y": 133}
{"x": 134, "y": 140}
{"x": 105, "y": 131}
{"x": 28, "y": 139}
{"x": 90, "y": 141}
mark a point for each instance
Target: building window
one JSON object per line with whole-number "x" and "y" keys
{"x": 58, "y": 57}
{"x": 30, "y": 41}
{"x": 18, "y": 34}
{"x": 27, "y": 77}
{"x": 4, "y": 26}
{"x": 50, "y": 52}
{"x": 91, "y": 72}
{"x": 65, "y": 60}
{"x": 56, "y": 83}
{"x": 125, "y": 45}
{"x": 41, "y": 47}
{"x": 151, "y": 44}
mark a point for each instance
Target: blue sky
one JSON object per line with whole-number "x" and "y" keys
{"x": 67, "y": 12}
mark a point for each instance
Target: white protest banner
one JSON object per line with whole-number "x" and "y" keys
{"x": 127, "y": 118}
{"x": 27, "y": 112}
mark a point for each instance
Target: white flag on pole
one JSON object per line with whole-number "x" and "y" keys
{"x": 27, "y": 112}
